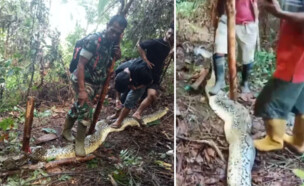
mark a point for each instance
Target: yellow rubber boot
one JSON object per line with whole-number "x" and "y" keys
{"x": 297, "y": 140}
{"x": 275, "y": 129}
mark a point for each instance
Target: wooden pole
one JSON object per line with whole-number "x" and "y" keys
{"x": 102, "y": 97}
{"x": 167, "y": 63}
{"x": 231, "y": 49}
{"x": 29, "y": 114}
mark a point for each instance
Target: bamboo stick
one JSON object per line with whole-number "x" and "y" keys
{"x": 29, "y": 114}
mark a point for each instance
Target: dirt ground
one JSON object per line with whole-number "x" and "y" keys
{"x": 199, "y": 131}
{"x": 149, "y": 147}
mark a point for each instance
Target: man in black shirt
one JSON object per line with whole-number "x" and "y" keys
{"x": 132, "y": 78}
{"x": 154, "y": 52}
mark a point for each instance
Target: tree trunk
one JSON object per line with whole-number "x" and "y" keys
{"x": 231, "y": 49}
{"x": 29, "y": 114}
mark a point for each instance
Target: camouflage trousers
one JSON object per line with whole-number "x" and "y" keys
{"x": 84, "y": 113}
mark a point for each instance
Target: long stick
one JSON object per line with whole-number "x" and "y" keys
{"x": 69, "y": 161}
{"x": 28, "y": 124}
{"x": 231, "y": 49}
{"x": 102, "y": 97}
{"x": 167, "y": 66}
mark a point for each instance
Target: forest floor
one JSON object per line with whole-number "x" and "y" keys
{"x": 198, "y": 127}
{"x": 149, "y": 150}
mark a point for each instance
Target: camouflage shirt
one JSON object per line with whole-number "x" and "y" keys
{"x": 100, "y": 58}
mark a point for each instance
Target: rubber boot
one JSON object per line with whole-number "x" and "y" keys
{"x": 67, "y": 128}
{"x": 219, "y": 69}
{"x": 79, "y": 141}
{"x": 245, "y": 76}
{"x": 296, "y": 141}
{"x": 275, "y": 129}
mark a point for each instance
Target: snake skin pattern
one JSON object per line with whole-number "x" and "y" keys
{"x": 92, "y": 142}
{"x": 237, "y": 129}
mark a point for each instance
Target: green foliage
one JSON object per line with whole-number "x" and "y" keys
{"x": 92, "y": 163}
{"x": 187, "y": 8}
{"x": 300, "y": 174}
{"x": 26, "y": 43}
{"x": 49, "y": 130}
{"x": 121, "y": 177}
{"x": 6, "y": 123}
{"x": 128, "y": 159}
{"x": 157, "y": 122}
{"x": 65, "y": 178}
{"x": 17, "y": 180}
{"x": 157, "y": 13}
{"x": 128, "y": 49}
{"x": 264, "y": 67}
{"x": 44, "y": 114}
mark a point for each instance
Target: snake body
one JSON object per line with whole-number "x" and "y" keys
{"x": 92, "y": 142}
{"x": 237, "y": 129}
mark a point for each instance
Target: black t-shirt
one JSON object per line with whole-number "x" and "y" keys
{"x": 140, "y": 72}
{"x": 156, "y": 50}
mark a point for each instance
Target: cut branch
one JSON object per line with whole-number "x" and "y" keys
{"x": 28, "y": 124}
{"x": 69, "y": 161}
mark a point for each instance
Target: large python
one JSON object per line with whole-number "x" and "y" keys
{"x": 92, "y": 142}
{"x": 237, "y": 129}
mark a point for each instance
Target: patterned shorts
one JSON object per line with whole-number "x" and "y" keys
{"x": 84, "y": 113}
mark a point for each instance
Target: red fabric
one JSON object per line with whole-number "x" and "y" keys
{"x": 290, "y": 53}
{"x": 244, "y": 11}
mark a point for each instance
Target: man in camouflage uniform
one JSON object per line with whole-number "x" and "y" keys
{"x": 95, "y": 58}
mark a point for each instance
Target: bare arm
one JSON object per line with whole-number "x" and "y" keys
{"x": 82, "y": 97}
{"x": 255, "y": 10}
{"x": 143, "y": 55}
{"x": 273, "y": 7}
{"x": 294, "y": 17}
{"x": 117, "y": 102}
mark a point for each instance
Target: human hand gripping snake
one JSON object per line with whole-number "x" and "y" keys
{"x": 237, "y": 130}
{"x": 92, "y": 142}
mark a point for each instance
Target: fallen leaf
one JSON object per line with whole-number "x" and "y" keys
{"x": 45, "y": 138}
{"x": 179, "y": 180}
{"x": 54, "y": 170}
{"x": 182, "y": 129}
{"x": 164, "y": 164}
{"x": 207, "y": 156}
{"x": 211, "y": 181}
{"x": 211, "y": 152}
{"x": 49, "y": 130}
{"x": 199, "y": 159}
{"x": 59, "y": 110}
